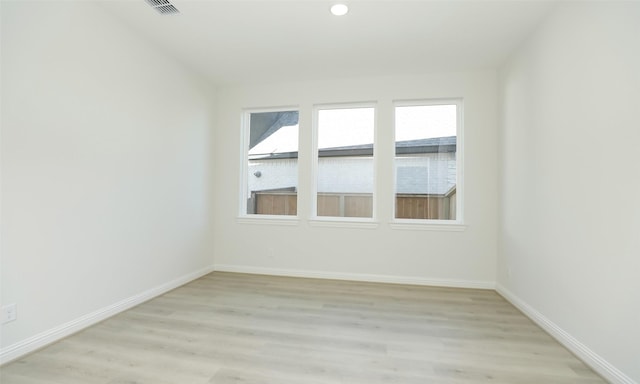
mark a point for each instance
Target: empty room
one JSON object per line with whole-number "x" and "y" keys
{"x": 318, "y": 192}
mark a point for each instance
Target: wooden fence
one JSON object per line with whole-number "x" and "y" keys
{"x": 425, "y": 207}
{"x": 275, "y": 203}
{"x": 408, "y": 206}
{"x": 345, "y": 205}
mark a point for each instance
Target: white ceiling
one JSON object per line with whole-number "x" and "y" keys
{"x": 240, "y": 41}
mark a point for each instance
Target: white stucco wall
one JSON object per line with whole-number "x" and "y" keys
{"x": 274, "y": 174}
{"x": 433, "y": 173}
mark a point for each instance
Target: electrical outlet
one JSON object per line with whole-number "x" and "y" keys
{"x": 8, "y": 313}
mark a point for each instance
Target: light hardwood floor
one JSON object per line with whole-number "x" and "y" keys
{"x": 235, "y": 328}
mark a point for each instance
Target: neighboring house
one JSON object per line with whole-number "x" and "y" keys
{"x": 425, "y": 180}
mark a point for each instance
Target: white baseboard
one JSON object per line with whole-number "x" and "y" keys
{"x": 38, "y": 341}
{"x": 592, "y": 359}
{"x": 452, "y": 283}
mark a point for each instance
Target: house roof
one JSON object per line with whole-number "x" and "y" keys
{"x": 264, "y": 124}
{"x": 431, "y": 145}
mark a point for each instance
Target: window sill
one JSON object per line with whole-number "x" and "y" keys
{"x": 343, "y": 223}
{"x": 269, "y": 220}
{"x": 428, "y": 225}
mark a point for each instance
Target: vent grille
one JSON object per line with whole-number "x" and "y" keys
{"x": 163, "y": 7}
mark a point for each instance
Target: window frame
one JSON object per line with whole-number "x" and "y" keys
{"x": 337, "y": 221}
{"x": 431, "y": 224}
{"x": 245, "y": 135}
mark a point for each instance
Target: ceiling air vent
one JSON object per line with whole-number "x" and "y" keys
{"x": 163, "y": 6}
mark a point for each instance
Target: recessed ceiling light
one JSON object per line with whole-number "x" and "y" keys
{"x": 339, "y": 9}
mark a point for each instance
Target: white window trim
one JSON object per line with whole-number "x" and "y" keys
{"x": 243, "y": 216}
{"x": 336, "y": 221}
{"x": 343, "y": 222}
{"x": 269, "y": 220}
{"x": 427, "y": 225}
{"x": 436, "y": 225}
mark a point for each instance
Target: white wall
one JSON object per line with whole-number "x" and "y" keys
{"x": 106, "y": 167}
{"x": 456, "y": 258}
{"x": 570, "y": 181}
{"x": 355, "y": 174}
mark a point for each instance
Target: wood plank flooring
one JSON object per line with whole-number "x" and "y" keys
{"x": 229, "y": 328}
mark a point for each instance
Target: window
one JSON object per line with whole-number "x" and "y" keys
{"x": 426, "y": 161}
{"x": 271, "y": 174}
{"x": 425, "y": 169}
{"x": 345, "y": 166}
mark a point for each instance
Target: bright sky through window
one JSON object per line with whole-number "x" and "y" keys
{"x": 439, "y": 121}
{"x": 347, "y": 127}
{"x": 283, "y": 140}
{"x": 344, "y": 127}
